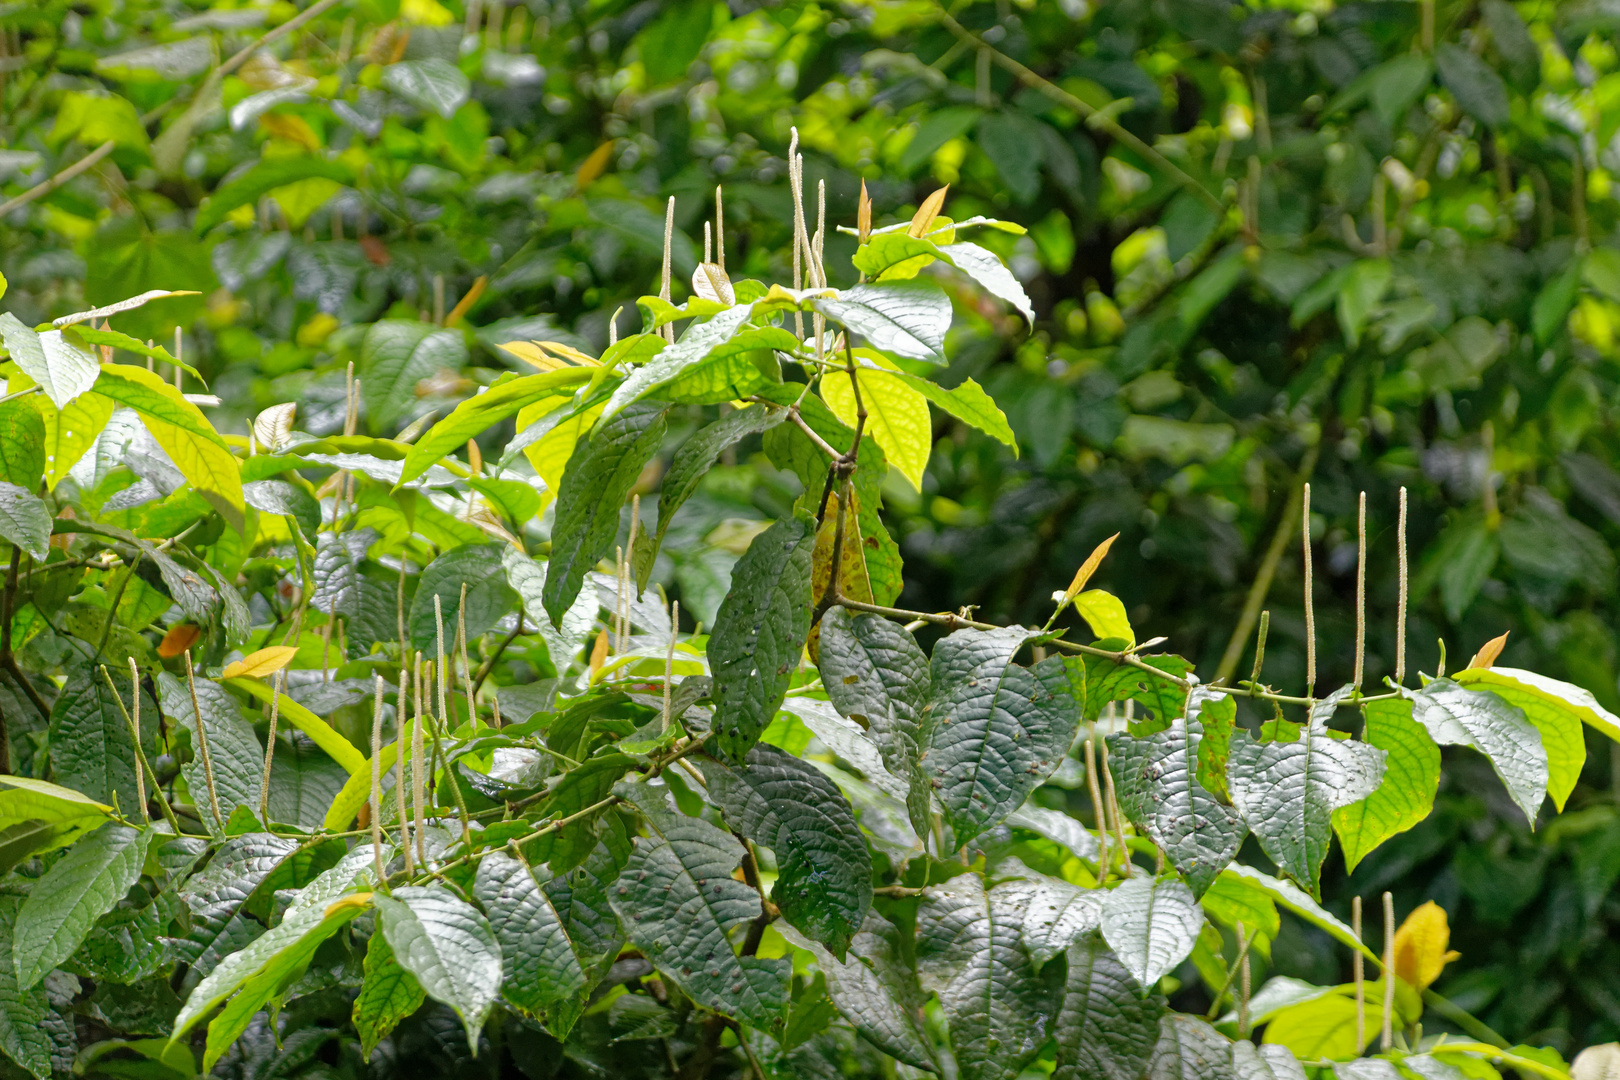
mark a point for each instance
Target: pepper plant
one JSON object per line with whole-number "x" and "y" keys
{"x": 357, "y": 755}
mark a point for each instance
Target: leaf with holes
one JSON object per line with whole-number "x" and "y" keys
{"x": 824, "y": 871}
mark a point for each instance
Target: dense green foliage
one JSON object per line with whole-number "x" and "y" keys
{"x": 1369, "y": 246}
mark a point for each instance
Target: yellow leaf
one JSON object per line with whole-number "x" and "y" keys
{"x": 1105, "y": 615}
{"x": 595, "y": 165}
{"x": 292, "y": 127}
{"x": 1087, "y": 568}
{"x": 1421, "y": 946}
{"x": 1489, "y": 651}
{"x": 343, "y": 903}
{"x": 551, "y": 454}
{"x": 70, "y": 432}
{"x": 930, "y": 207}
{"x": 896, "y": 417}
{"x": 321, "y": 733}
{"x": 266, "y": 661}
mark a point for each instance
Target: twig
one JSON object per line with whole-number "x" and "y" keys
{"x": 416, "y": 766}
{"x": 40, "y": 190}
{"x": 1097, "y": 805}
{"x": 669, "y": 660}
{"x": 1357, "y": 974}
{"x": 134, "y": 725}
{"x": 1112, "y": 805}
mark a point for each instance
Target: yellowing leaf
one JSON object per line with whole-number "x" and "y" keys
{"x": 1557, "y": 709}
{"x": 266, "y": 661}
{"x": 321, "y": 733}
{"x": 896, "y": 417}
{"x": 1421, "y": 946}
{"x": 1087, "y": 568}
{"x": 530, "y": 352}
{"x": 924, "y": 217}
{"x": 551, "y": 454}
{"x": 71, "y": 431}
{"x": 1105, "y": 615}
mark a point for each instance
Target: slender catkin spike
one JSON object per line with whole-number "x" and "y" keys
{"x": 669, "y": 242}
{"x": 349, "y": 416}
{"x": 1359, "y": 976}
{"x": 179, "y": 356}
{"x": 202, "y": 744}
{"x": 1310, "y": 607}
{"x": 1361, "y": 587}
{"x": 278, "y": 683}
{"x": 402, "y": 711}
{"x": 466, "y": 669}
{"x": 438, "y": 299}
{"x": 719, "y": 229}
{"x": 1097, "y": 805}
{"x": 796, "y": 192}
{"x": 1388, "y": 1037}
{"x": 326, "y": 643}
{"x": 669, "y": 659}
{"x": 376, "y": 784}
{"x": 417, "y": 792}
{"x": 135, "y": 733}
{"x": 1400, "y": 607}
{"x": 821, "y": 232}
{"x": 1260, "y": 645}
{"x": 708, "y": 242}
{"x": 443, "y": 671}
{"x": 618, "y": 602}
{"x": 1245, "y": 977}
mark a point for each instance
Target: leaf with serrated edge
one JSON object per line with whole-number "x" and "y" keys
{"x": 875, "y": 988}
{"x": 25, "y": 521}
{"x": 877, "y": 675}
{"x": 541, "y": 965}
{"x": 1151, "y": 924}
{"x": 1250, "y": 1062}
{"x": 22, "y": 1012}
{"x": 1287, "y": 792}
{"x": 907, "y": 318}
{"x": 997, "y": 730}
{"x": 1159, "y": 791}
{"x": 678, "y": 901}
{"x": 970, "y": 952}
{"x": 592, "y": 494}
{"x": 83, "y": 886}
{"x": 760, "y": 631}
{"x": 448, "y": 945}
{"x": 1109, "y": 1024}
{"x": 697, "y": 454}
{"x": 824, "y": 871}
{"x": 670, "y": 361}
{"x": 395, "y": 355}
{"x": 388, "y": 994}
{"x": 1457, "y": 716}
{"x": 1406, "y": 795}
{"x": 1557, "y": 709}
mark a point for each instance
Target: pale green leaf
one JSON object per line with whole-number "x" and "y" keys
{"x": 1406, "y": 795}
{"x": 896, "y": 416}
{"x": 76, "y": 891}
{"x": 1557, "y": 709}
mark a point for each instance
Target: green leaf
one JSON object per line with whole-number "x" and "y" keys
{"x": 693, "y": 346}
{"x": 22, "y": 444}
{"x": 76, "y": 891}
{"x": 1160, "y": 793}
{"x": 388, "y": 994}
{"x": 286, "y": 499}
{"x": 876, "y": 990}
{"x": 234, "y": 749}
{"x": 897, "y": 416}
{"x": 907, "y": 318}
{"x": 991, "y": 273}
{"x": 603, "y": 470}
{"x": 1151, "y": 925}
{"x": 1457, "y": 716}
{"x": 263, "y": 178}
{"x": 489, "y": 597}
{"x": 1326, "y": 1026}
{"x": 1290, "y": 897}
{"x": 449, "y": 947}
{"x": 217, "y": 893}
{"x": 395, "y": 355}
{"x": 824, "y": 872}
{"x": 184, "y": 433}
{"x": 1406, "y": 795}
{"x": 433, "y": 85}
{"x": 541, "y": 965}
{"x": 25, "y": 521}
{"x": 1476, "y": 86}
{"x": 899, "y": 255}
{"x": 482, "y": 411}
{"x": 968, "y": 403}
{"x": 1287, "y": 791}
{"x": 759, "y": 633}
{"x": 876, "y": 675}
{"x": 997, "y": 730}
{"x": 970, "y": 952}
{"x": 581, "y": 898}
{"x": 1056, "y": 915}
{"x": 22, "y": 1012}
{"x": 1109, "y": 1024}
{"x": 697, "y": 454}
{"x": 24, "y": 799}
{"x": 91, "y": 747}
{"x": 1554, "y": 303}
{"x": 1218, "y": 716}
{"x": 1108, "y": 682}
{"x": 1189, "y": 1049}
{"x": 338, "y": 748}
{"x": 528, "y": 579}
{"x": 1557, "y": 709}
{"x": 304, "y": 781}
{"x": 62, "y": 369}
{"x": 678, "y": 902}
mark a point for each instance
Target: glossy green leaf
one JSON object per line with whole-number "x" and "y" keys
{"x": 75, "y": 892}
{"x": 1056, "y": 915}
{"x": 433, "y": 84}
{"x": 1189, "y": 1049}
{"x": 395, "y": 355}
{"x": 1558, "y": 709}
{"x": 388, "y": 994}
{"x": 62, "y": 369}
{"x": 92, "y": 750}
{"x": 482, "y": 411}
{"x": 25, "y": 521}
{"x": 606, "y": 466}
{"x": 541, "y": 966}
{"x": 1159, "y": 791}
{"x": 1109, "y": 1025}
{"x": 448, "y": 946}
{"x": 907, "y": 318}
{"x": 528, "y": 579}
{"x": 997, "y": 730}
{"x": 489, "y": 598}
{"x": 672, "y": 360}
{"x": 1406, "y": 795}
{"x": 1457, "y": 716}
{"x": 824, "y": 872}
{"x": 760, "y": 632}
{"x": 1151, "y": 925}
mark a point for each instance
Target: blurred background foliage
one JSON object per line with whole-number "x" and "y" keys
{"x": 1371, "y": 245}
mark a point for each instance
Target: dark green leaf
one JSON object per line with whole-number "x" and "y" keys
{"x": 22, "y": 1012}
{"x": 541, "y": 965}
{"x": 387, "y": 995}
{"x": 448, "y": 946}
{"x": 692, "y": 460}
{"x": 1109, "y": 1024}
{"x": 604, "y": 469}
{"x": 1189, "y": 1049}
{"x": 824, "y": 873}
{"x": 693, "y": 346}
{"x": 261, "y": 179}
{"x": 395, "y": 355}
{"x": 1477, "y": 88}
{"x": 760, "y": 632}
{"x": 91, "y": 748}
{"x": 282, "y": 497}
{"x": 24, "y": 520}
{"x": 233, "y": 749}
{"x": 75, "y": 892}
{"x": 489, "y": 597}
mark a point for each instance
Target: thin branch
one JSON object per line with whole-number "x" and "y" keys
{"x": 40, "y": 190}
